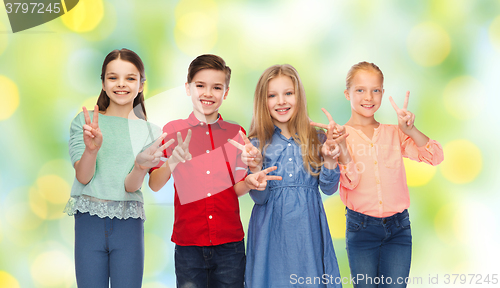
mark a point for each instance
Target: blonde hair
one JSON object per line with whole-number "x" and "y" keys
{"x": 303, "y": 133}
{"x": 361, "y": 66}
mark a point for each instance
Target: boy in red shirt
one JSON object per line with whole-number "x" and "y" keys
{"x": 209, "y": 175}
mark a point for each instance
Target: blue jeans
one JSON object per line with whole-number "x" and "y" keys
{"x": 379, "y": 249}
{"x": 108, "y": 251}
{"x": 210, "y": 266}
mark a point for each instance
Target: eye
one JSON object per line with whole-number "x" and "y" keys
{"x": 288, "y": 93}
{"x": 270, "y": 95}
{"x": 376, "y": 90}
{"x": 112, "y": 78}
{"x": 199, "y": 85}
{"x": 359, "y": 90}
{"x": 218, "y": 88}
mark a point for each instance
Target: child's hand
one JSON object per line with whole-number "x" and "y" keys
{"x": 150, "y": 157}
{"x": 405, "y": 117}
{"x": 181, "y": 151}
{"x": 330, "y": 150}
{"x": 334, "y": 132}
{"x": 251, "y": 156}
{"x": 258, "y": 181}
{"x": 92, "y": 136}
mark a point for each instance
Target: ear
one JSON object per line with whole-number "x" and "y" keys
{"x": 103, "y": 88}
{"x": 225, "y": 94}
{"x": 346, "y": 94}
{"x": 141, "y": 88}
{"x": 188, "y": 91}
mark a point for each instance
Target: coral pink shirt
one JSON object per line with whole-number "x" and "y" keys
{"x": 374, "y": 183}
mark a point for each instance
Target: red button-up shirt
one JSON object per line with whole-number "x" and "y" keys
{"x": 206, "y": 206}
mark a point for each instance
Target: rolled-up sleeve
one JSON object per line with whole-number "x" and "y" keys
{"x": 430, "y": 153}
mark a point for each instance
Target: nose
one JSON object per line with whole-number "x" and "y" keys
{"x": 368, "y": 96}
{"x": 121, "y": 82}
{"x": 208, "y": 92}
{"x": 281, "y": 99}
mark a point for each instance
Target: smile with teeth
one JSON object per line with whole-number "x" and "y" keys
{"x": 121, "y": 92}
{"x": 206, "y": 102}
{"x": 282, "y": 110}
{"x": 367, "y": 106}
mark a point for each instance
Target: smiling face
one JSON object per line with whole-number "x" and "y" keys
{"x": 207, "y": 91}
{"x": 365, "y": 93}
{"x": 122, "y": 82}
{"x": 281, "y": 100}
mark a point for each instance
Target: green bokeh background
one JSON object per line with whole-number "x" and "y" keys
{"x": 447, "y": 53}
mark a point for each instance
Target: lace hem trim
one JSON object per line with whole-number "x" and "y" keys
{"x": 105, "y": 208}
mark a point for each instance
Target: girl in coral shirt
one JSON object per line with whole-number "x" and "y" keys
{"x": 373, "y": 185}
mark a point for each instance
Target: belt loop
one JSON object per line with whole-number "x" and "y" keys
{"x": 396, "y": 219}
{"x": 365, "y": 220}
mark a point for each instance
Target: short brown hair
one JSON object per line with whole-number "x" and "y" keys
{"x": 361, "y": 66}
{"x": 208, "y": 61}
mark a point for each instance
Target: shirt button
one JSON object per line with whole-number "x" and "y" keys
{"x": 290, "y": 175}
{"x": 289, "y": 159}
{"x": 201, "y": 123}
{"x": 207, "y": 132}
{"x": 208, "y": 172}
{"x": 375, "y": 162}
{"x": 289, "y": 144}
{"x": 208, "y": 151}
{"x": 210, "y": 217}
{"x": 371, "y": 144}
{"x": 378, "y": 202}
{"x": 378, "y": 181}
{"x": 209, "y": 194}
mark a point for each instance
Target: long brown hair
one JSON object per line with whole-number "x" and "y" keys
{"x": 129, "y": 56}
{"x": 303, "y": 133}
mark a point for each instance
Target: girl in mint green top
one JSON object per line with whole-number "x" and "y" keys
{"x": 111, "y": 155}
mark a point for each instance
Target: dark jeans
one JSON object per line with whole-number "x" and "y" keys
{"x": 379, "y": 249}
{"x": 108, "y": 251}
{"x": 210, "y": 266}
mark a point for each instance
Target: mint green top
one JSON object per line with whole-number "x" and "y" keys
{"x": 123, "y": 139}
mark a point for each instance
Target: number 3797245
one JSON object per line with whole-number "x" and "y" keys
{"x": 33, "y": 8}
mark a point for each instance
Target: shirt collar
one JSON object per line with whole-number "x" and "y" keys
{"x": 193, "y": 121}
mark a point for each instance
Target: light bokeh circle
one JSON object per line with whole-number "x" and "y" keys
{"x": 85, "y": 16}
{"x": 9, "y": 97}
{"x": 428, "y": 44}
{"x": 418, "y": 173}
{"x": 463, "y": 161}
{"x": 335, "y": 213}
{"x": 195, "y": 29}
{"x": 53, "y": 269}
{"x": 8, "y": 281}
{"x": 464, "y": 97}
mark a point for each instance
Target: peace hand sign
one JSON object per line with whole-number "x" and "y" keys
{"x": 92, "y": 136}
{"x": 405, "y": 117}
{"x": 335, "y": 135}
{"x": 258, "y": 181}
{"x": 251, "y": 156}
{"x": 150, "y": 157}
{"x": 181, "y": 151}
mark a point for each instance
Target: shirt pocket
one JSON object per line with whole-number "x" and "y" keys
{"x": 391, "y": 156}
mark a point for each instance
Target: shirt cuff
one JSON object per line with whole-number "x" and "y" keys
{"x": 329, "y": 174}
